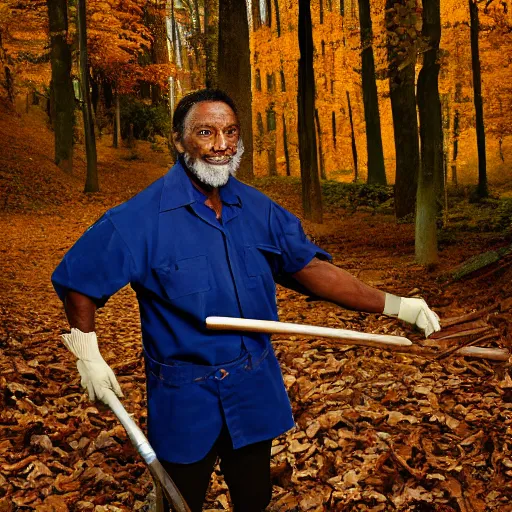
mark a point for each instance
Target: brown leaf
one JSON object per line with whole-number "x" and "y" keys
{"x": 38, "y": 469}
{"x": 68, "y": 483}
{"x": 23, "y": 369}
{"x": 17, "y": 466}
{"x": 99, "y": 476}
{"x": 43, "y": 442}
{"x": 296, "y": 447}
{"x": 53, "y": 504}
{"x": 24, "y": 498}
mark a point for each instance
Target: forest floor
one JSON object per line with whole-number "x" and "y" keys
{"x": 376, "y": 430}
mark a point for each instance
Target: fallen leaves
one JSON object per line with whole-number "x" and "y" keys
{"x": 375, "y": 430}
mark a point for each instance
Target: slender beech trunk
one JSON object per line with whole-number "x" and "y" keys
{"x": 311, "y": 192}
{"x": 285, "y": 145}
{"x": 333, "y": 125}
{"x": 278, "y": 18}
{"x": 91, "y": 183}
{"x": 319, "y": 142}
{"x": 268, "y": 12}
{"x": 376, "y": 169}
{"x": 271, "y": 148}
{"x": 211, "y": 26}
{"x": 234, "y": 70}
{"x": 256, "y": 14}
{"x": 62, "y": 94}
{"x": 431, "y": 133}
{"x": 402, "y": 92}
{"x": 482, "y": 189}
{"x": 353, "y": 138}
{"x": 117, "y": 122}
{"x": 456, "y": 131}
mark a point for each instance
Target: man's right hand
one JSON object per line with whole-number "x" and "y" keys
{"x": 97, "y": 376}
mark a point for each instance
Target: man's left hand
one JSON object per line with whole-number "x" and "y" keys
{"x": 414, "y": 311}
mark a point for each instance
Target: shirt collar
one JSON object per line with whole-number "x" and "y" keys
{"x": 178, "y": 190}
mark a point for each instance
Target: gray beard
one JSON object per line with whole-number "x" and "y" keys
{"x": 215, "y": 175}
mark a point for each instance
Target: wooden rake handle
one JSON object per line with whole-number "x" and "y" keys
{"x": 141, "y": 444}
{"x": 224, "y": 323}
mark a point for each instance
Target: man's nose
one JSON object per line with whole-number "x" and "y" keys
{"x": 220, "y": 143}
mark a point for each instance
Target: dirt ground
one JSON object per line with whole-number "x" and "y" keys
{"x": 376, "y": 430}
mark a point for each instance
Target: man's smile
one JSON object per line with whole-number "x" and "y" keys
{"x": 218, "y": 160}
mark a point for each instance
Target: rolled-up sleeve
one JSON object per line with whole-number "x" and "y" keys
{"x": 98, "y": 265}
{"x": 296, "y": 249}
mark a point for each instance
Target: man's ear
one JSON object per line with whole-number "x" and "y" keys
{"x": 176, "y": 138}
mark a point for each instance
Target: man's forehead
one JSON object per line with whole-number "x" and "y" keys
{"x": 211, "y": 112}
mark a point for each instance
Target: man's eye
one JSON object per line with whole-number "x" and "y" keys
{"x": 232, "y": 131}
{"x": 205, "y": 132}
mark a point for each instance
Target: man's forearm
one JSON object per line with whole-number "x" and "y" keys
{"x": 80, "y": 311}
{"x": 337, "y": 285}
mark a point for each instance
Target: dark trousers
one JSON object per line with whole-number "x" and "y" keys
{"x": 246, "y": 472}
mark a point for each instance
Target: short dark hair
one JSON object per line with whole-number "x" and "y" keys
{"x": 188, "y": 101}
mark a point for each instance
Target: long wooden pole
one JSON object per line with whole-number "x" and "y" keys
{"x": 384, "y": 341}
{"x": 350, "y": 337}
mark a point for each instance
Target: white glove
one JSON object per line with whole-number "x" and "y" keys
{"x": 97, "y": 376}
{"x": 414, "y": 311}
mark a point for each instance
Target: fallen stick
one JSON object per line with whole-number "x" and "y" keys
{"x": 448, "y": 322}
{"x": 383, "y": 341}
{"x": 470, "y": 342}
{"x": 493, "y": 354}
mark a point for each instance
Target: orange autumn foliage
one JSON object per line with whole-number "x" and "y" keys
{"x": 337, "y": 70}
{"x": 117, "y": 37}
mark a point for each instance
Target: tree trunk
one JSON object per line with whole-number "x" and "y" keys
{"x": 156, "y": 14}
{"x": 234, "y": 70}
{"x": 456, "y": 131}
{"x": 376, "y": 169}
{"x": 311, "y": 192}
{"x": 63, "y": 97}
{"x": 268, "y": 13}
{"x": 319, "y": 142}
{"x": 402, "y": 93}
{"x": 431, "y": 133}
{"x": 285, "y": 145}
{"x": 482, "y": 190}
{"x": 353, "y": 138}
{"x": 117, "y": 123}
{"x": 198, "y": 43}
{"x": 333, "y": 124}
{"x": 278, "y": 18}
{"x": 91, "y": 183}
{"x": 271, "y": 148}
{"x": 211, "y": 24}
{"x": 256, "y": 14}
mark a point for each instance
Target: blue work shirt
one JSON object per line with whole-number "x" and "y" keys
{"x": 184, "y": 266}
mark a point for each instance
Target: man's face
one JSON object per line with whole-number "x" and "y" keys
{"x": 211, "y": 142}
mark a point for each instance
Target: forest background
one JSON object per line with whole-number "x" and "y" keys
{"x": 333, "y": 132}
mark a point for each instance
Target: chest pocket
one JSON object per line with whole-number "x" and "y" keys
{"x": 262, "y": 259}
{"x": 184, "y": 277}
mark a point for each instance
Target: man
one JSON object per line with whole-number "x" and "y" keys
{"x": 199, "y": 243}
